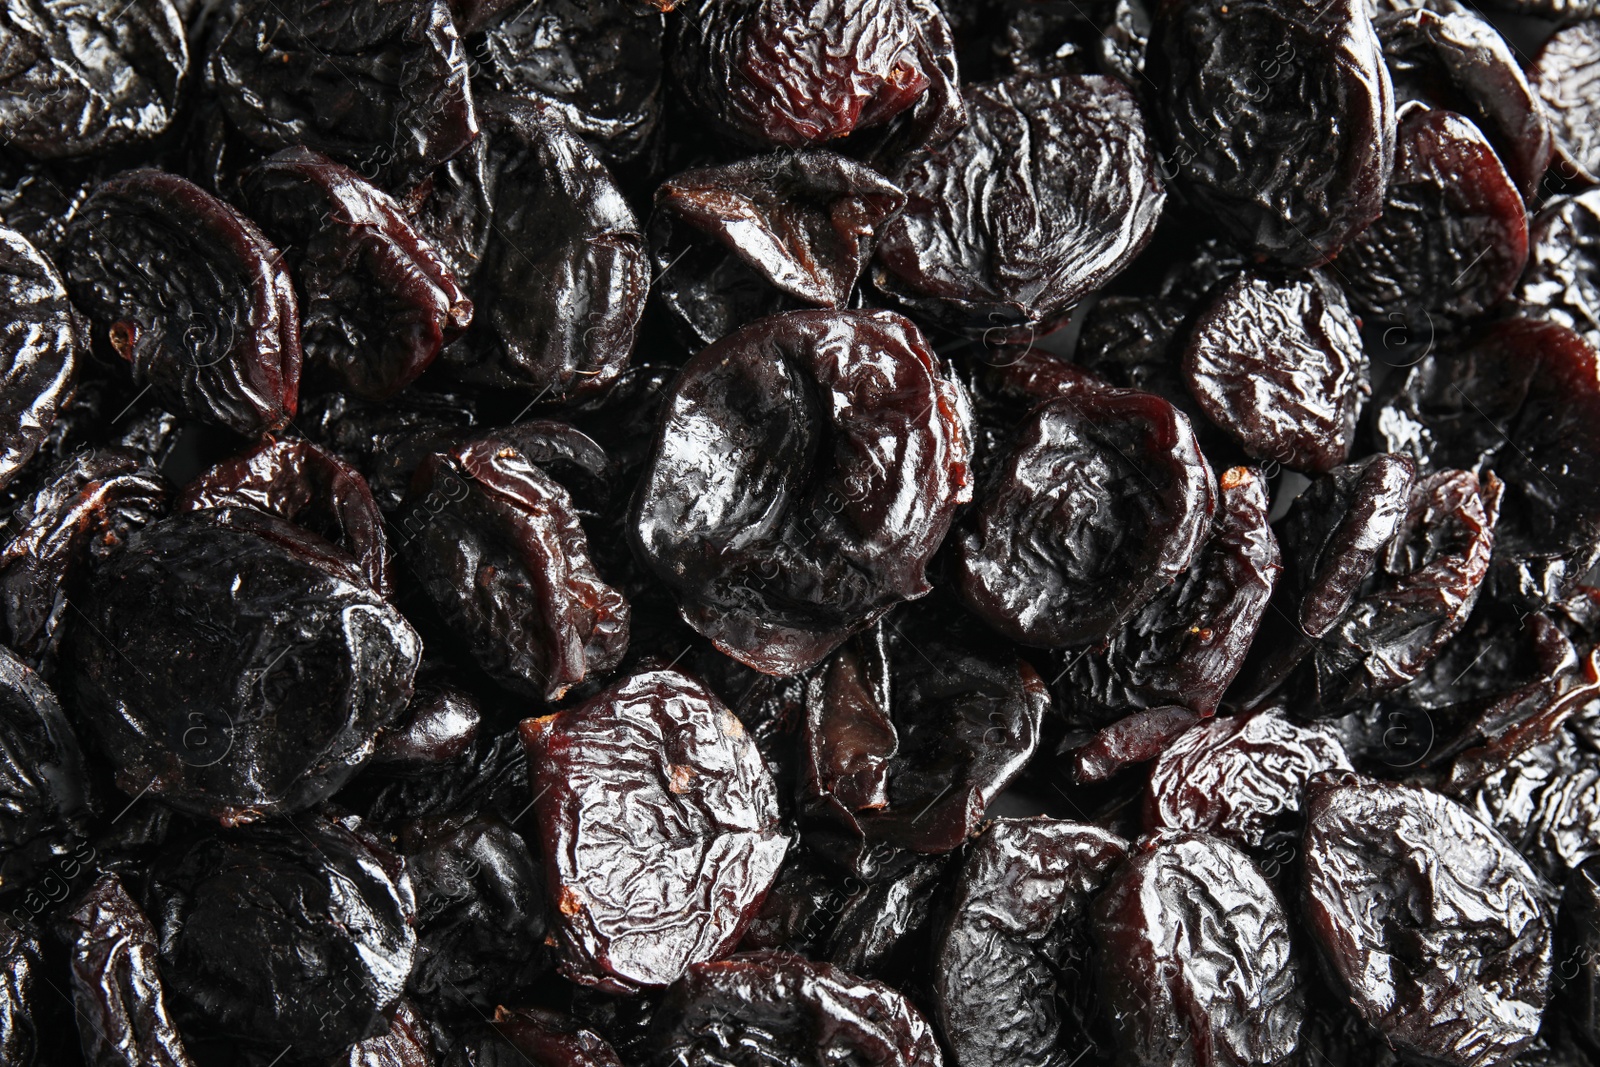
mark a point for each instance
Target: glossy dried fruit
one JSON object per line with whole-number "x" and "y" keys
{"x": 40, "y": 346}
{"x": 548, "y": 1039}
{"x": 1564, "y": 72}
{"x": 1562, "y": 282}
{"x": 1577, "y": 965}
{"x": 20, "y": 992}
{"x": 440, "y": 726}
{"x": 44, "y": 799}
{"x": 883, "y": 930}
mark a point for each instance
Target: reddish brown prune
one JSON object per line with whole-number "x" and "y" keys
{"x": 189, "y": 293}
{"x": 405, "y": 1044}
{"x": 1103, "y": 501}
{"x": 546, "y": 1038}
{"x": 1562, "y": 282}
{"x": 376, "y": 302}
{"x": 659, "y": 829}
{"x": 40, "y": 344}
{"x": 1138, "y": 737}
{"x": 805, "y": 469}
{"x": 46, "y": 808}
{"x": 1068, "y": 195}
{"x": 1278, "y": 364}
{"x": 1277, "y": 119}
{"x": 1565, "y": 73}
{"x": 1428, "y": 918}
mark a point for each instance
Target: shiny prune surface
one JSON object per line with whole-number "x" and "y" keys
{"x": 45, "y": 803}
{"x": 1562, "y": 282}
{"x": 1565, "y": 74}
{"x": 43, "y": 340}
{"x": 20, "y": 991}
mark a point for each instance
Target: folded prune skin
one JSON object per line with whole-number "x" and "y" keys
{"x": 658, "y": 825}
{"x": 1277, "y": 120}
{"x": 407, "y": 1043}
{"x": 883, "y": 929}
{"x": 234, "y": 665}
{"x": 453, "y": 207}
{"x": 383, "y": 87}
{"x": 1429, "y": 919}
{"x": 192, "y": 296}
{"x": 1577, "y": 964}
{"x": 1562, "y": 282}
{"x": 85, "y": 79}
{"x": 1184, "y": 898}
{"x": 779, "y": 1008}
{"x": 496, "y": 543}
{"x": 1564, "y": 72}
{"x": 549, "y": 1039}
{"x": 21, "y": 975}
{"x": 296, "y": 934}
{"x": 439, "y": 727}
{"x": 46, "y": 812}
{"x": 387, "y": 441}
{"x": 1018, "y": 919}
{"x": 804, "y": 471}
{"x": 1049, "y": 191}
{"x": 1103, "y": 501}
{"x": 41, "y": 342}
{"x": 1137, "y": 737}
{"x": 376, "y": 301}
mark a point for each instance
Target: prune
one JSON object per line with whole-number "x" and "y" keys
{"x": 404, "y": 1044}
{"x": 563, "y": 276}
{"x": 1015, "y": 937}
{"x": 1180, "y": 899}
{"x": 1562, "y": 283}
{"x": 496, "y": 543}
{"x": 548, "y": 1039}
{"x": 1137, "y": 737}
{"x": 1278, "y": 119}
{"x": 1497, "y": 651}
{"x": 189, "y": 293}
{"x": 40, "y": 201}
{"x": 118, "y": 987}
{"x": 1049, "y": 192}
{"x": 1130, "y": 342}
{"x": 376, "y": 302}
{"x": 380, "y": 87}
{"x": 1104, "y": 500}
{"x": 39, "y": 350}
{"x": 1043, "y": 39}
{"x": 1278, "y": 364}
{"x": 804, "y": 471}
{"x": 287, "y": 935}
{"x": 1429, "y": 919}
{"x": 234, "y": 665}
{"x": 387, "y": 442}
{"x": 883, "y": 930}
{"x": 786, "y": 1011}
{"x": 1577, "y": 966}
{"x": 453, "y": 207}
{"x": 20, "y": 955}
{"x": 1564, "y": 72}
{"x": 1124, "y": 41}
{"x": 799, "y": 909}
{"x": 658, "y": 824}
{"x": 44, "y": 799}
{"x": 83, "y": 79}
{"x": 1521, "y": 398}
{"x": 439, "y": 727}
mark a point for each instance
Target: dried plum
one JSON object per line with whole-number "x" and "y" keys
{"x": 1566, "y": 72}
{"x": 1577, "y": 966}
{"x": 44, "y": 798}
{"x": 883, "y": 930}
{"x": 39, "y": 350}
{"x": 548, "y": 1039}
{"x": 439, "y": 727}
{"x": 387, "y": 442}
{"x": 405, "y": 1044}
{"x": 1562, "y": 283}
{"x": 20, "y": 958}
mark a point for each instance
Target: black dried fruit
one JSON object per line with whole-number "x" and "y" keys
{"x": 39, "y": 350}
{"x": 1565, "y": 72}
{"x": 20, "y": 991}
{"x": 1562, "y": 282}
{"x": 545, "y": 1038}
{"x": 44, "y": 798}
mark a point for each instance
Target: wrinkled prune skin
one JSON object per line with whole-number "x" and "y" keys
{"x": 40, "y": 201}
{"x": 1130, "y": 341}
{"x": 405, "y": 1044}
{"x": 382, "y": 87}
{"x": 658, "y": 825}
{"x": 236, "y": 666}
{"x": 376, "y": 302}
{"x": 804, "y": 471}
{"x": 453, "y": 207}
{"x": 1186, "y": 645}
{"x": 1562, "y": 282}
{"x": 1016, "y": 934}
{"x": 1453, "y": 236}
{"x": 562, "y": 281}
{"x": 1577, "y": 962}
{"x": 84, "y": 79}
{"x": 40, "y": 345}
{"x": 549, "y": 1039}
{"x": 598, "y": 65}
{"x": 438, "y": 728}
{"x": 1520, "y": 398}
{"x": 1428, "y": 918}
{"x": 1564, "y": 73}
{"x": 20, "y": 993}
{"x": 1103, "y": 501}
{"x": 44, "y": 799}
{"x": 884, "y": 929}
{"x": 190, "y": 294}
{"x": 496, "y": 543}
{"x": 387, "y": 442}
{"x": 1186, "y": 897}
{"x": 799, "y": 910}
{"x": 1138, "y": 737}
{"x": 1277, "y": 120}
{"x": 120, "y": 988}
{"x": 778, "y": 1010}
{"x": 1049, "y": 192}
{"x": 1278, "y": 364}
{"x": 296, "y": 934}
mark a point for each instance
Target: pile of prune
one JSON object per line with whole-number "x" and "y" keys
{"x": 799, "y": 533}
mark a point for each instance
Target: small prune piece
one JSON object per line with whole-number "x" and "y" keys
{"x": 439, "y": 727}
{"x": 883, "y": 930}
{"x": 21, "y": 967}
{"x": 405, "y": 1044}
{"x": 387, "y": 442}
{"x": 40, "y": 343}
{"x": 1131, "y": 342}
{"x": 805, "y": 469}
{"x": 1562, "y": 282}
{"x": 191, "y": 295}
{"x": 549, "y": 1039}
{"x": 1104, "y": 500}
{"x": 1184, "y": 898}
{"x": 44, "y": 799}
{"x": 1565, "y": 74}
{"x": 659, "y": 828}
{"x": 1137, "y": 737}
{"x": 1429, "y": 919}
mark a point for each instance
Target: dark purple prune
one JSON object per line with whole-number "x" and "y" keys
{"x": 439, "y": 727}
{"x": 1562, "y": 282}
{"x": 1278, "y": 364}
{"x": 1180, "y": 899}
{"x": 382, "y": 87}
{"x": 883, "y": 929}
{"x": 234, "y": 665}
{"x": 286, "y": 935}
{"x": 1577, "y": 964}
{"x": 1498, "y": 650}
{"x": 546, "y": 1038}
{"x": 44, "y": 800}
{"x": 84, "y": 79}
{"x": 1277, "y": 119}
{"x": 376, "y": 302}
{"x": 119, "y": 985}
{"x": 191, "y": 295}
{"x": 1428, "y": 918}
{"x": 387, "y": 442}
{"x": 779, "y": 1010}
{"x": 799, "y": 909}
{"x": 1565, "y": 73}
{"x": 1132, "y": 342}
{"x": 562, "y": 280}
{"x": 1104, "y": 500}
{"x": 1520, "y": 398}
{"x": 805, "y": 469}
{"x": 1048, "y": 193}
{"x": 453, "y": 207}
{"x": 39, "y": 350}
{"x": 405, "y": 1044}
{"x": 1137, "y": 737}
{"x": 1453, "y": 236}
{"x": 496, "y": 543}
{"x": 21, "y": 967}
{"x": 1016, "y": 934}
{"x": 659, "y": 829}
{"x": 40, "y": 201}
